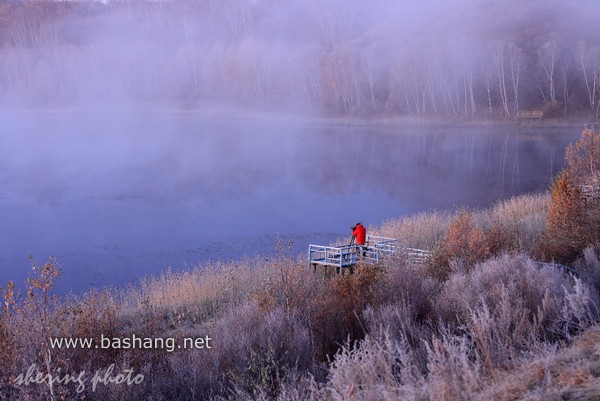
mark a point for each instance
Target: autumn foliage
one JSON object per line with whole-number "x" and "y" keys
{"x": 583, "y": 159}
{"x": 466, "y": 244}
{"x": 573, "y": 221}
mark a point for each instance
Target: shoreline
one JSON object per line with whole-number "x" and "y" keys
{"x": 304, "y": 118}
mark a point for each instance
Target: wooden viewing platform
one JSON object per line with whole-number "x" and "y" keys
{"x": 346, "y": 256}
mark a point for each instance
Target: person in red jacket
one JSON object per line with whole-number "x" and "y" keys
{"x": 359, "y": 234}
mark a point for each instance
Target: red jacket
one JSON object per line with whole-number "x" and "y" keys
{"x": 360, "y": 232}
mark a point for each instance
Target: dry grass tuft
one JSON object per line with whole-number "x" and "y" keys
{"x": 197, "y": 295}
{"x": 571, "y": 374}
{"x": 524, "y": 215}
{"x": 422, "y": 231}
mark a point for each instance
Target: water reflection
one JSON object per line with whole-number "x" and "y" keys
{"x": 438, "y": 167}
{"x": 118, "y": 195}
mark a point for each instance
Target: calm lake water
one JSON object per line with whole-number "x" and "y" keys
{"x": 115, "y": 196}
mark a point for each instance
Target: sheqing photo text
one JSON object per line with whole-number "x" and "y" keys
{"x": 169, "y": 344}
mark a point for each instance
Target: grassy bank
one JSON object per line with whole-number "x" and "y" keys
{"x": 494, "y": 325}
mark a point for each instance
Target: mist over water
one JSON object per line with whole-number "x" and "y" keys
{"x": 116, "y": 195}
{"x": 471, "y": 59}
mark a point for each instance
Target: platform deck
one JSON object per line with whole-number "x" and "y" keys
{"x": 346, "y": 256}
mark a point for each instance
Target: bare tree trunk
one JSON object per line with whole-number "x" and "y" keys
{"x": 566, "y": 84}
{"x": 370, "y": 73}
{"x": 498, "y": 56}
{"x": 468, "y": 88}
{"x": 591, "y": 94}
{"x": 488, "y": 87}
{"x": 432, "y": 96}
{"x": 589, "y": 59}
{"x": 340, "y": 78}
{"x": 312, "y": 88}
{"x": 448, "y": 97}
{"x": 548, "y": 56}
{"x": 515, "y": 72}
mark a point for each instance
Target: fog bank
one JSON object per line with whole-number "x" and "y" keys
{"x": 475, "y": 59}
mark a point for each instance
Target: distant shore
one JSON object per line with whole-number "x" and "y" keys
{"x": 303, "y": 117}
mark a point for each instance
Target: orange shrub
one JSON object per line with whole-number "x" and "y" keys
{"x": 573, "y": 221}
{"x": 583, "y": 158}
{"x": 464, "y": 243}
{"x": 501, "y": 238}
{"x": 568, "y": 228}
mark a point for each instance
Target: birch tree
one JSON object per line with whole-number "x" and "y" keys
{"x": 339, "y": 77}
{"x": 515, "y": 55}
{"x": 589, "y": 61}
{"x": 565, "y": 68}
{"x": 548, "y": 56}
{"x": 499, "y": 58}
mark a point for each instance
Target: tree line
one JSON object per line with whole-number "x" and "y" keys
{"x": 470, "y": 59}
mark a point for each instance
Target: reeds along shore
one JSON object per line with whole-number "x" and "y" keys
{"x": 490, "y": 323}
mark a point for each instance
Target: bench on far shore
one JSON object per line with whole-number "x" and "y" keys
{"x": 529, "y": 114}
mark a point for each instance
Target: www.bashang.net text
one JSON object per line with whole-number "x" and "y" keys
{"x": 168, "y": 344}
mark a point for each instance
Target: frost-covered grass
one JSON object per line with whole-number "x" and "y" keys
{"x": 501, "y": 327}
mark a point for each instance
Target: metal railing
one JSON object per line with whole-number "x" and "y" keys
{"x": 339, "y": 256}
{"x": 348, "y": 255}
{"x": 382, "y": 245}
{"x": 375, "y": 249}
{"x": 418, "y": 256}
